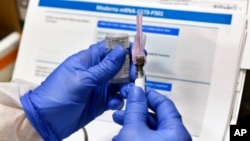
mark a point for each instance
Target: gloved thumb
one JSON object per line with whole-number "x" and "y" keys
{"x": 109, "y": 66}
{"x": 136, "y": 108}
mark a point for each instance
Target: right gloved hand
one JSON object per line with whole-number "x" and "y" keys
{"x": 139, "y": 125}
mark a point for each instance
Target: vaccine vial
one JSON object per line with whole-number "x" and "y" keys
{"x": 112, "y": 40}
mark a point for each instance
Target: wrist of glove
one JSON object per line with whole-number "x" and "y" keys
{"x": 75, "y": 93}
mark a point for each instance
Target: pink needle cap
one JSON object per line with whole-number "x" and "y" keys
{"x": 139, "y": 40}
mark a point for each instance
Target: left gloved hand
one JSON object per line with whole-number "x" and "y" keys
{"x": 75, "y": 93}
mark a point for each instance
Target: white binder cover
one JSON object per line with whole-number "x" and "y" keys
{"x": 193, "y": 54}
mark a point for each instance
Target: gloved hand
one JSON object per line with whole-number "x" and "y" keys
{"x": 75, "y": 93}
{"x": 139, "y": 125}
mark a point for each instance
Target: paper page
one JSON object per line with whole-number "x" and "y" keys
{"x": 246, "y": 55}
{"x": 193, "y": 54}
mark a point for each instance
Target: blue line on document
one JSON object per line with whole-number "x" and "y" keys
{"x": 217, "y": 18}
{"x": 159, "y": 85}
{"x": 132, "y": 27}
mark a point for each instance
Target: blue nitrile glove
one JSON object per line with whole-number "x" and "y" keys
{"x": 135, "y": 119}
{"x": 75, "y": 93}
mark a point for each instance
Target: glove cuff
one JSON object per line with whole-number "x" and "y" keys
{"x": 41, "y": 126}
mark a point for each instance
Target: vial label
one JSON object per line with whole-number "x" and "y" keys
{"x": 112, "y": 40}
{"x": 124, "y": 72}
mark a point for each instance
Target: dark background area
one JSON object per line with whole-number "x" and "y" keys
{"x": 244, "y": 113}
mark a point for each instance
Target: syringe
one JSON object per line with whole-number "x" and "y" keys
{"x": 138, "y": 54}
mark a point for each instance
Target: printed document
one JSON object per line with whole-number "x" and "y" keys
{"x": 193, "y": 54}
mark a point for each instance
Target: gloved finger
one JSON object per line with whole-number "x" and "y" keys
{"x": 136, "y": 108}
{"x": 163, "y": 107}
{"x": 108, "y": 67}
{"x": 152, "y": 121}
{"x": 125, "y": 89}
{"x": 116, "y": 95}
{"x": 118, "y": 117}
{"x": 132, "y": 72}
{"x": 98, "y": 49}
{"x": 115, "y": 102}
{"x": 93, "y": 55}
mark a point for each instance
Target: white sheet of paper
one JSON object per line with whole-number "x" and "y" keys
{"x": 246, "y": 54}
{"x": 193, "y": 54}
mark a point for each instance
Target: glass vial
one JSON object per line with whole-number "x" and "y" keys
{"x": 112, "y": 40}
